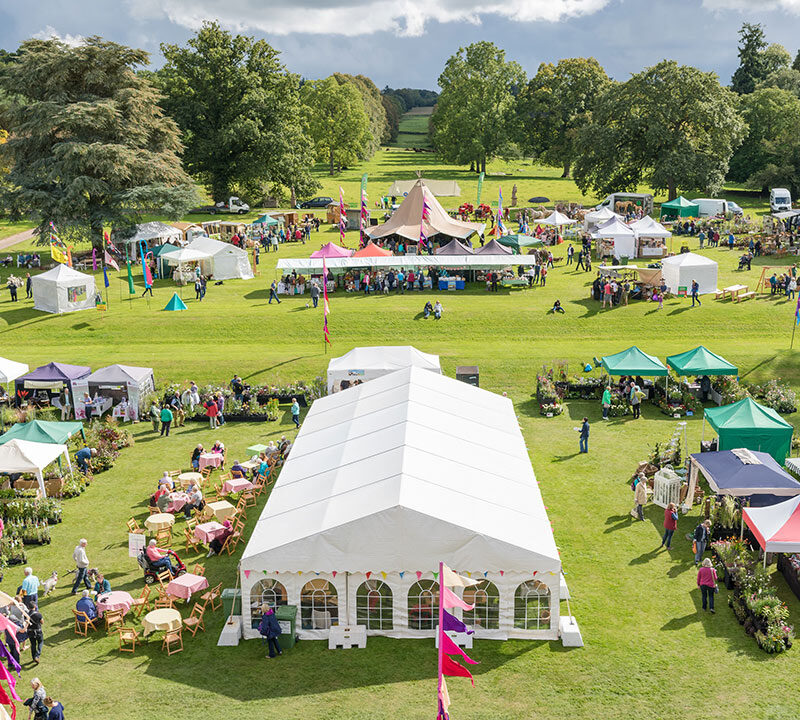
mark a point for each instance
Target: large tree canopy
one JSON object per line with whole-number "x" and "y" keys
{"x": 474, "y": 119}
{"x": 753, "y": 64}
{"x": 373, "y": 106}
{"x": 240, "y": 113}
{"x": 337, "y": 121}
{"x": 555, "y": 105}
{"x": 670, "y": 126}
{"x": 90, "y": 145}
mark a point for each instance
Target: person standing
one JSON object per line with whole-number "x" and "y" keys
{"x": 177, "y": 410}
{"x": 701, "y": 536}
{"x": 607, "y": 294}
{"x": 606, "y": 402}
{"x": 28, "y": 286}
{"x": 636, "y": 401}
{"x": 211, "y": 412}
{"x": 220, "y": 410}
{"x": 640, "y": 497}
{"x": 12, "y": 289}
{"x": 707, "y": 582}
{"x": 30, "y": 585}
{"x": 273, "y": 293}
{"x": 166, "y": 420}
{"x": 315, "y": 290}
{"x": 670, "y": 524}
{"x": 583, "y": 442}
{"x": 35, "y": 634}
{"x": 295, "y": 412}
{"x": 35, "y": 704}
{"x": 695, "y": 291}
{"x": 56, "y": 709}
{"x": 81, "y": 566}
{"x": 570, "y": 253}
{"x": 155, "y": 415}
{"x": 270, "y": 629}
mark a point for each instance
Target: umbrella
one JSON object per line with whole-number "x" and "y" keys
{"x": 538, "y": 200}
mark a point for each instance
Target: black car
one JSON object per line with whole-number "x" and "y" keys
{"x": 317, "y": 202}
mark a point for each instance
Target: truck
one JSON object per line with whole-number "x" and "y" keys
{"x": 780, "y": 200}
{"x": 711, "y": 207}
{"x": 643, "y": 200}
{"x": 234, "y": 206}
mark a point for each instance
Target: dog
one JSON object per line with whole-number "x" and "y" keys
{"x": 50, "y": 584}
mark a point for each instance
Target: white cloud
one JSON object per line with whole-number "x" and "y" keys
{"x": 49, "y": 33}
{"x": 354, "y": 17}
{"x": 748, "y": 6}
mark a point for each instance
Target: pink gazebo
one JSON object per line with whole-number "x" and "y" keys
{"x": 331, "y": 250}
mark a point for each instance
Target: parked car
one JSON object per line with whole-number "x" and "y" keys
{"x": 317, "y": 202}
{"x": 735, "y": 208}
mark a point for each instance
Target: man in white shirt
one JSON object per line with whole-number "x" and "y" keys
{"x": 81, "y": 566}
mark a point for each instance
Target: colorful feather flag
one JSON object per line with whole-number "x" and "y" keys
{"x": 326, "y": 308}
{"x": 797, "y": 311}
{"x": 500, "y": 225}
{"x": 426, "y": 216}
{"x": 451, "y": 668}
{"x": 58, "y": 250}
{"x": 342, "y": 217}
{"x": 450, "y": 648}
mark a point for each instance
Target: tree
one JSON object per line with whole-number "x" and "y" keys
{"x": 555, "y": 105}
{"x": 769, "y": 113}
{"x": 337, "y": 121}
{"x": 785, "y": 78}
{"x": 373, "y": 106}
{"x": 474, "y": 118}
{"x": 775, "y": 57}
{"x": 90, "y": 145}
{"x": 240, "y": 113}
{"x": 409, "y": 98}
{"x": 393, "y": 112}
{"x": 752, "y": 63}
{"x": 670, "y": 126}
{"x": 782, "y": 167}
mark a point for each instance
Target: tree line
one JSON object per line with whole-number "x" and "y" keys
{"x": 671, "y": 126}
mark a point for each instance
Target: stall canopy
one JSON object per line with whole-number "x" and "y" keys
{"x": 24, "y": 456}
{"x": 43, "y": 431}
{"x": 52, "y": 376}
{"x": 701, "y": 361}
{"x": 152, "y": 233}
{"x": 633, "y": 362}
{"x": 743, "y": 473}
{"x": 746, "y": 424}
{"x": 10, "y": 370}
{"x": 515, "y": 242}
{"x": 556, "y": 219}
{"x": 405, "y": 221}
{"x": 406, "y": 262}
{"x": 622, "y": 235}
{"x": 266, "y": 220}
{"x": 680, "y": 207}
{"x": 598, "y": 217}
{"x": 680, "y": 270}
{"x": 455, "y": 248}
{"x": 441, "y": 188}
{"x": 331, "y": 250}
{"x": 134, "y": 382}
{"x": 372, "y": 250}
{"x": 493, "y": 248}
{"x": 62, "y": 290}
{"x": 179, "y": 256}
{"x": 776, "y": 527}
{"x": 226, "y": 261}
{"x": 368, "y": 363}
{"x": 649, "y": 228}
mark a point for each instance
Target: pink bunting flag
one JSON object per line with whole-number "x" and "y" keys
{"x": 451, "y": 648}
{"x": 453, "y": 669}
{"x": 247, "y": 573}
{"x": 451, "y": 600}
{"x": 334, "y": 573}
{"x": 419, "y": 574}
{"x": 368, "y": 574}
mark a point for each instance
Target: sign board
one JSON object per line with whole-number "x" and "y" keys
{"x": 286, "y": 627}
{"x": 356, "y": 373}
{"x": 136, "y": 542}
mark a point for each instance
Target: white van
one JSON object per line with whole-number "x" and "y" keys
{"x": 780, "y": 200}
{"x": 710, "y": 207}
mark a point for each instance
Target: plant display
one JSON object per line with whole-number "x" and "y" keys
{"x": 546, "y": 391}
{"x": 778, "y": 396}
{"x": 552, "y": 409}
{"x": 729, "y": 388}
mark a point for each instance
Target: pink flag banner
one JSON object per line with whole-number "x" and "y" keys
{"x": 342, "y": 216}
{"x": 450, "y": 648}
{"x": 451, "y": 600}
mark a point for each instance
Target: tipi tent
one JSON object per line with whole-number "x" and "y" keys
{"x": 382, "y": 483}
{"x": 680, "y": 270}
{"x": 63, "y": 290}
{"x": 368, "y": 363}
{"x": 24, "y": 456}
{"x": 128, "y": 381}
{"x": 622, "y": 235}
{"x": 405, "y": 222}
{"x": 226, "y": 262}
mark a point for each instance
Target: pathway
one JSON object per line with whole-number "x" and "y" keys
{"x": 14, "y": 239}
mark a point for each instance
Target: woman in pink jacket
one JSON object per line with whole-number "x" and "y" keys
{"x": 707, "y": 582}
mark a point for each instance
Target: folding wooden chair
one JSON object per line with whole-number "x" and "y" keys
{"x": 172, "y": 639}
{"x": 133, "y": 527}
{"x": 194, "y": 622}
{"x": 83, "y": 623}
{"x": 139, "y": 605}
{"x": 127, "y": 639}
{"x": 199, "y": 569}
{"x": 164, "y": 536}
{"x": 191, "y": 541}
{"x": 163, "y": 602}
{"x": 191, "y": 523}
{"x": 112, "y": 618}
{"x": 153, "y": 509}
{"x": 249, "y": 498}
{"x": 164, "y": 577}
{"x": 223, "y": 478}
{"x": 213, "y": 596}
{"x": 241, "y": 508}
{"x": 205, "y": 473}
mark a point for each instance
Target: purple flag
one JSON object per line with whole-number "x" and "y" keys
{"x": 450, "y": 623}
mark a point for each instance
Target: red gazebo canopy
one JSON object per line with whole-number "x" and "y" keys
{"x": 372, "y": 250}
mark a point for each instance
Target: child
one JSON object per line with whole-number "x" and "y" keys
{"x": 557, "y": 307}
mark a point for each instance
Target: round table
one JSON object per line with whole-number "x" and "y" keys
{"x": 159, "y": 521}
{"x": 222, "y": 509}
{"x": 190, "y": 477}
{"x": 176, "y": 501}
{"x": 210, "y": 460}
{"x": 114, "y": 600}
{"x": 236, "y": 485}
{"x": 162, "y": 619}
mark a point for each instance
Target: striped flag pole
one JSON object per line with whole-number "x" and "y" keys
{"x": 501, "y": 228}
{"x": 342, "y": 217}
{"x": 796, "y": 321}
{"x": 426, "y": 215}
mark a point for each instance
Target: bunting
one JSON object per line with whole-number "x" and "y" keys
{"x": 58, "y": 250}
{"x": 364, "y": 211}
{"x": 501, "y": 228}
{"x": 326, "y": 309}
{"x": 426, "y": 217}
{"x": 342, "y": 217}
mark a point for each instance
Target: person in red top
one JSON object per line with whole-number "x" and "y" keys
{"x": 607, "y": 294}
{"x": 211, "y": 412}
{"x": 159, "y": 559}
{"x": 670, "y": 524}
{"x": 707, "y": 582}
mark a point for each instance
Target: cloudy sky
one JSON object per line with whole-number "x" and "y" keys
{"x": 404, "y": 43}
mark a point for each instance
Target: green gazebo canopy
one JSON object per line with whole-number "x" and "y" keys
{"x": 43, "y": 431}
{"x": 633, "y": 362}
{"x": 515, "y": 242}
{"x": 701, "y": 361}
{"x": 265, "y": 219}
{"x": 680, "y": 207}
{"x": 746, "y": 424}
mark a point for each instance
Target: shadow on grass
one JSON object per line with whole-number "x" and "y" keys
{"x": 592, "y": 306}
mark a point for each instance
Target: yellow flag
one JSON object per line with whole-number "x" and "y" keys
{"x": 58, "y": 253}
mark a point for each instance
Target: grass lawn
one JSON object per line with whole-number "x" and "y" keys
{"x": 649, "y": 652}
{"x": 414, "y": 129}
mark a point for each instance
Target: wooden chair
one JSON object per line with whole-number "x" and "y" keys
{"x": 173, "y": 473}
{"x": 241, "y": 508}
{"x": 139, "y": 605}
{"x": 127, "y": 639}
{"x": 205, "y": 473}
{"x": 112, "y": 618}
{"x": 163, "y": 602}
{"x": 199, "y": 569}
{"x": 164, "y": 578}
{"x": 153, "y": 509}
{"x": 191, "y": 541}
{"x": 164, "y": 536}
{"x": 83, "y": 623}
{"x": 172, "y": 639}
{"x": 191, "y": 523}
{"x": 133, "y": 527}
{"x": 213, "y": 596}
{"x": 194, "y": 622}
{"x": 224, "y": 477}
{"x": 249, "y": 498}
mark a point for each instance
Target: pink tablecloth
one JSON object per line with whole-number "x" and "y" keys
{"x": 206, "y": 532}
{"x": 115, "y": 600}
{"x": 210, "y": 460}
{"x": 186, "y": 585}
{"x": 236, "y": 485}
{"x": 176, "y": 501}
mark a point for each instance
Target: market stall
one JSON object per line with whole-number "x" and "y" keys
{"x": 367, "y": 363}
{"x": 332, "y": 250}
{"x": 777, "y": 530}
{"x": 679, "y": 271}
{"x": 127, "y": 386}
{"x": 46, "y": 382}
{"x": 225, "y": 261}
{"x": 615, "y": 238}
{"x": 650, "y": 237}
{"x": 516, "y": 242}
{"x": 24, "y": 456}
{"x": 372, "y": 250}
{"x": 596, "y": 218}
{"x": 184, "y": 260}
{"x": 43, "y": 431}
{"x": 10, "y": 370}
{"x": 493, "y": 247}
{"x": 680, "y": 207}
{"x": 746, "y": 424}
{"x": 63, "y": 290}
{"x": 454, "y": 247}
{"x": 633, "y": 362}
{"x": 151, "y": 234}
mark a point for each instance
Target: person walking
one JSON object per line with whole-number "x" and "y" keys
{"x": 177, "y": 410}
{"x": 12, "y": 289}
{"x": 56, "y": 709}
{"x": 295, "y": 412}
{"x": 606, "y": 402}
{"x": 166, "y": 420}
{"x": 28, "y": 286}
{"x": 583, "y": 441}
{"x": 640, "y": 497}
{"x": 155, "y": 415}
{"x": 707, "y": 582}
{"x": 81, "y": 566}
{"x": 607, "y": 294}
{"x": 670, "y": 524}
{"x": 211, "y": 412}
{"x": 702, "y": 534}
{"x": 636, "y": 401}
{"x": 315, "y": 291}
{"x": 270, "y": 630}
{"x": 273, "y": 293}
{"x": 30, "y": 585}
{"x": 695, "y": 291}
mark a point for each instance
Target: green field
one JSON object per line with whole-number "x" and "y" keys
{"x": 414, "y": 129}
{"x": 649, "y": 652}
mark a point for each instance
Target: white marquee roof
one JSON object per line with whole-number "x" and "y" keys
{"x": 613, "y": 228}
{"x": 649, "y": 228}
{"x": 689, "y": 259}
{"x": 474, "y": 262}
{"x": 121, "y": 374}
{"x": 400, "y": 472}
{"x": 392, "y": 357}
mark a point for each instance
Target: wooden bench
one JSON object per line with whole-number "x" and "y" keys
{"x": 744, "y": 296}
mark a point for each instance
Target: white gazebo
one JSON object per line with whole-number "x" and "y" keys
{"x": 650, "y": 237}
{"x": 598, "y": 217}
{"x": 225, "y": 261}
{"x": 63, "y": 290}
{"x": 367, "y": 363}
{"x": 679, "y": 271}
{"x": 385, "y": 481}
{"x": 118, "y": 381}
{"x": 152, "y": 233}
{"x": 621, "y": 236}
{"x": 25, "y": 456}
{"x": 10, "y": 370}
